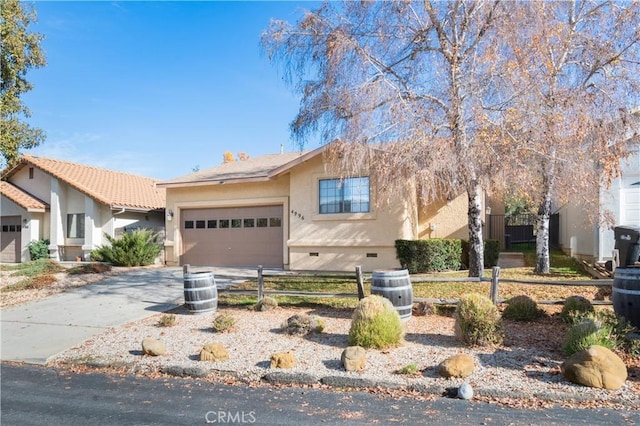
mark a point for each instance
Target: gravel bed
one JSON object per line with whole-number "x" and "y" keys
{"x": 526, "y": 366}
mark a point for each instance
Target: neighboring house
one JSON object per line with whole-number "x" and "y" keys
{"x": 286, "y": 211}
{"x": 595, "y": 243}
{"x": 72, "y": 206}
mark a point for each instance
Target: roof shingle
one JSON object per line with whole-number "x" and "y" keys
{"x": 22, "y": 198}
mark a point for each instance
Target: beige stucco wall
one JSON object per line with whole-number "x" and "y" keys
{"x": 444, "y": 219}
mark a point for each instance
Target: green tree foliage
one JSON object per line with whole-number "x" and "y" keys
{"x": 19, "y": 52}
{"x": 137, "y": 248}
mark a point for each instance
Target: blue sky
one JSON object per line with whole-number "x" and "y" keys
{"x": 159, "y": 88}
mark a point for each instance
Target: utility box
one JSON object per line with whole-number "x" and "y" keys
{"x": 628, "y": 244}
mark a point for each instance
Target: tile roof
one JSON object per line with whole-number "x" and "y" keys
{"x": 22, "y": 198}
{"x": 254, "y": 169}
{"x": 115, "y": 189}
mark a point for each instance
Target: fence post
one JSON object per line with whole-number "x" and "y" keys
{"x": 260, "y": 284}
{"x": 359, "y": 281}
{"x": 495, "y": 277}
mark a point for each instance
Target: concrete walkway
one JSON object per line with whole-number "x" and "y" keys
{"x": 36, "y": 331}
{"x": 511, "y": 260}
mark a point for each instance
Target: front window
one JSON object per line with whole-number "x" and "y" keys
{"x": 350, "y": 195}
{"x": 75, "y": 225}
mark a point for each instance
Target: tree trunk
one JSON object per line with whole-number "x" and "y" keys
{"x": 542, "y": 238}
{"x": 476, "y": 243}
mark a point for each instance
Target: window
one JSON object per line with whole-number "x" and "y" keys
{"x": 248, "y": 223}
{"x": 275, "y": 222}
{"x": 262, "y": 222}
{"x": 188, "y": 224}
{"x": 30, "y": 172}
{"x": 75, "y": 225}
{"x": 199, "y": 224}
{"x": 212, "y": 224}
{"x": 223, "y": 223}
{"x": 236, "y": 223}
{"x": 349, "y": 195}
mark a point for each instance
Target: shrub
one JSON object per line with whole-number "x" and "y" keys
{"x": 39, "y": 249}
{"x": 302, "y": 324}
{"x": 223, "y": 323}
{"x": 168, "y": 320}
{"x": 409, "y": 370}
{"x": 575, "y": 308}
{"x": 137, "y": 248}
{"x": 266, "y": 304}
{"x": 478, "y": 321}
{"x": 590, "y": 330}
{"x": 375, "y": 324}
{"x": 429, "y": 255}
{"x": 522, "y": 308}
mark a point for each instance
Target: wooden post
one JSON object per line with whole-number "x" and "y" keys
{"x": 495, "y": 277}
{"x": 185, "y": 269}
{"x": 359, "y": 281}
{"x": 260, "y": 284}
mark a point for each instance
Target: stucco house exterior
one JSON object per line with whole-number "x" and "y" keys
{"x": 73, "y": 206}
{"x": 595, "y": 243}
{"x": 288, "y": 211}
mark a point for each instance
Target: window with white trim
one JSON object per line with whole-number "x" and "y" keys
{"x": 75, "y": 225}
{"x": 349, "y": 195}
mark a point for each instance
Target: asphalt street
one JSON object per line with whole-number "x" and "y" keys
{"x": 34, "y": 395}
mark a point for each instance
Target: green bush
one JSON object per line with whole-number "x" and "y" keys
{"x": 375, "y": 324}
{"x": 522, "y": 308}
{"x": 575, "y": 307}
{"x": 137, "y": 248}
{"x": 39, "y": 249}
{"x": 430, "y": 255}
{"x": 491, "y": 253}
{"x": 590, "y": 330}
{"x": 478, "y": 321}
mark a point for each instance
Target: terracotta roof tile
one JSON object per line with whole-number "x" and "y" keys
{"x": 22, "y": 198}
{"x": 116, "y": 189}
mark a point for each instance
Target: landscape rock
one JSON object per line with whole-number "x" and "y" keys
{"x": 465, "y": 391}
{"x": 153, "y": 347}
{"x": 596, "y": 367}
{"x": 422, "y": 309}
{"x": 302, "y": 324}
{"x": 354, "y": 358}
{"x": 283, "y": 360}
{"x": 214, "y": 352}
{"x": 460, "y": 365}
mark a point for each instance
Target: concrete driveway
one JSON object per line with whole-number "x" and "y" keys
{"x": 36, "y": 331}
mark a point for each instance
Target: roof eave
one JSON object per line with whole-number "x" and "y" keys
{"x": 297, "y": 161}
{"x": 217, "y": 181}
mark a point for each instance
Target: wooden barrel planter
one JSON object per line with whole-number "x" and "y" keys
{"x": 396, "y": 287}
{"x": 200, "y": 292}
{"x": 626, "y": 294}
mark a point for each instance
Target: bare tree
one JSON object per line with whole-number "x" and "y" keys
{"x": 406, "y": 79}
{"x": 571, "y": 70}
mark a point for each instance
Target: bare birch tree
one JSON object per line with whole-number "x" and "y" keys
{"x": 405, "y": 79}
{"x": 572, "y": 71}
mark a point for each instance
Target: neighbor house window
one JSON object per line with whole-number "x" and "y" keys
{"x": 75, "y": 225}
{"x": 349, "y": 195}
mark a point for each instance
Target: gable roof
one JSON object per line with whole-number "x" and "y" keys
{"x": 22, "y": 198}
{"x": 257, "y": 169}
{"x": 115, "y": 189}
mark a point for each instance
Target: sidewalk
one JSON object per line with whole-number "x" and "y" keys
{"x": 36, "y": 331}
{"x": 511, "y": 260}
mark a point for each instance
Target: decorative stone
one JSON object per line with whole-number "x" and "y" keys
{"x": 214, "y": 352}
{"x": 153, "y": 347}
{"x": 302, "y": 324}
{"x": 460, "y": 365}
{"x": 354, "y": 358}
{"x": 422, "y": 309}
{"x": 596, "y": 367}
{"x": 283, "y": 360}
{"x": 465, "y": 391}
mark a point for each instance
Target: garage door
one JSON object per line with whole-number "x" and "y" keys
{"x": 10, "y": 240}
{"x": 631, "y": 206}
{"x": 243, "y": 236}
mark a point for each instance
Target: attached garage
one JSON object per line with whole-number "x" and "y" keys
{"x": 233, "y": 236}
{"x": 10, "y": 239}
{"x": 631, "y": 205}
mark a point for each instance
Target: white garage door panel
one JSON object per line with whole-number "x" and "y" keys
{"x": 631, "y": 207}
{"x": 10, "y": 239}
{"x": 247, "y": 236}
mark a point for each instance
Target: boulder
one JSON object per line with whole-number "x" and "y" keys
{"x": 460, "y": 365}
{"x": 214, "y": 352}
{"x": 596, "y": 367}
{"x": 465, "y": 391}
{"x": 302, "y": 324}
{"x": 153, "y": 347}
{"x": 283, "y": 360}
{"x": 354, "y": 358}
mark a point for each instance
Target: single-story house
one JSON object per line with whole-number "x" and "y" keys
{"x": 288, "y": 211}
{"x": 73, "y": 206}
{"x": 595, "y": 242}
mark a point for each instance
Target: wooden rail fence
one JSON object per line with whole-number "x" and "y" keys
{"x": 359, "y": 278}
